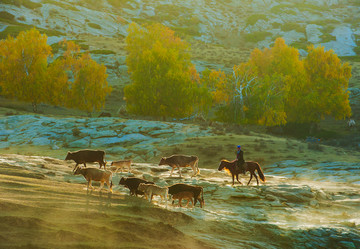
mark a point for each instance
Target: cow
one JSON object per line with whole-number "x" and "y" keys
{"x": 92, "y": 174}
{"x": 197, "y": 191}
{"x": 151, "y": 189}
{"x": 189, "y": 196}
{"x": 181, "y": 161}
{"x": 87, "y": 156}
{"x": 132, "y": 183}
{"x": 121, "y": 164}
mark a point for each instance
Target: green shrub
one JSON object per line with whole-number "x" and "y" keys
{"x": 94, "y": 25}
{"x": 327, "y": 37}
{"x": 7, "y": 15}
{"x": 293, "y": 26}
{"x": 251, "y": 20}
{"x": 256, "y": 36}
{"x": 61, "y": 4}
{"x": 26, "y": 3}
{"x": 102, "y": 51}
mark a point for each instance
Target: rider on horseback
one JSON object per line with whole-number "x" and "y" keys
{"x": 240, "y": 162}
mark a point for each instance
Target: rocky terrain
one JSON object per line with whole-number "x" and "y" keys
{"x": 135, "y": 139}
{"x": 40, "y": 198}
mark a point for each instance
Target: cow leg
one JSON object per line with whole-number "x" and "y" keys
{"x": 172, "y": 170}
{"x": 129, "y": 169}
{"x": 237, "y": 179}
{"x": 75, "y": 166}
{"x": 85, "y": 165}
{"x": 151, "y": 196}
{"x": 179, "y": 170}
{"x": 180, "y": 200}
{"x": 101, "y": 185}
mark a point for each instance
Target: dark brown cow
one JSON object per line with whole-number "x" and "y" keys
{"x": 196, "y": 190}
{"x": 181, "y": 161}
{"x": 87, "y": 156}
{"x": 132, "y": 183}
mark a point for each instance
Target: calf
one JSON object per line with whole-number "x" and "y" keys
{"x": 87, "y": 156}
{"x": 132, "y": 183}
{"x": 151, "y": 190}
{"x": 197, "y": 191}
{"x": 92, "y": 174}
{"x": 184, "y": 195}
{"x": 121, "y": 164}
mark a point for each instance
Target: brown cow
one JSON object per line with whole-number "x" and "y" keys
{"x": 197, "y": 191}
{"x": 92, "y": 174}
{"x": 181, "y": 161}
{"x": 87, "y": 156}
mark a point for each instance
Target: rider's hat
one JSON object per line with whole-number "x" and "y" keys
{"x": 239, "y": 146}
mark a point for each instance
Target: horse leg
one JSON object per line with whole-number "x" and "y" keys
{"x": 179, "y": 170}
{"x": 256, "y": 178}
{"x": 233, "y": 179}
{"x": 251, "y": 175}
{"x": 237, "y": 179}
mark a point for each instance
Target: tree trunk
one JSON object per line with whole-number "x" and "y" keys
{"x": 34, "y": 105}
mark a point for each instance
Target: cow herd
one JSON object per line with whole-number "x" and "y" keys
{"x": 138, "y": 186}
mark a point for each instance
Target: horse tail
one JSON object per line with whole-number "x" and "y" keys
{"x": 261, "y": 174}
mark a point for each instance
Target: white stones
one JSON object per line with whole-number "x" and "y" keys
{"x": 128, "y": 137}
{"x": 313, "y": 33}
{"x": 345, "y": 41}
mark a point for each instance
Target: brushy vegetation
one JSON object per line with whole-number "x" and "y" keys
{"x": 293, "y": 26}
{"x": 251, "y": 20}
{"x": 7, "y": 16}
{"x": 94, "y": 25}
{"x": 26, "y": 3}
{"x": 61, "y": 4}
{"x": 283, "y": 8}
{"x": 257, "y": 36}
{"x": 16, "y": 29}
{"x": 102, "y": 51}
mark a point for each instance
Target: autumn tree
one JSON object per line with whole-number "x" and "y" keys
{"x": 162, "y": 75}
{"x": 322, "y": 90}
{"x": 89, "y": 87}
{"x": 275, "y": 87}
{"x": 23, "y": 66}
{"x": 27, "y": 75}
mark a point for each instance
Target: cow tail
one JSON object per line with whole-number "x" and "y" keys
{"x": 197, "y": 167}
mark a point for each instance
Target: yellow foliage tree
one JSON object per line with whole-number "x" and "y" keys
{"x": 275, "y": 87}
{"x": 89, "y": 87}
{"x": 23, "y": 66}
{"x": 26, "y": 74}
{"x": 163, "y": 79}
{"x": 323, "y": 89}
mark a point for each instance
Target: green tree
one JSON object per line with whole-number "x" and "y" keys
{"x": 162, "y": 75}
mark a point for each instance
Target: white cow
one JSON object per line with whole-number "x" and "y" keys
{"x": 151, "y": 190}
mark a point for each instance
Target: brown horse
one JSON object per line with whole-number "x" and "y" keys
{"x": 235, "y": 171}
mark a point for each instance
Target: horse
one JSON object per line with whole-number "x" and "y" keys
{"x": 230, "y": 167}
